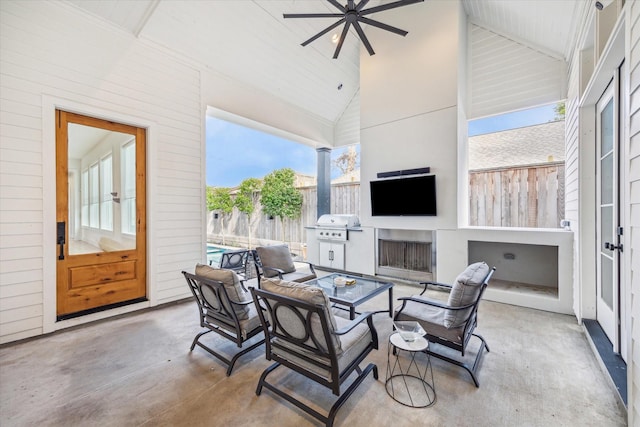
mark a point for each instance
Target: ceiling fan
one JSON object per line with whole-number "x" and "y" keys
{"x": 352, "y": 14}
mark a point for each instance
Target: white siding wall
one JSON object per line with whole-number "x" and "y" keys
{"x": 51, "y": 51}
{"x": 507, "y": 75}
{"x": 572, "y": 182}
{"x": 633, "y": 56}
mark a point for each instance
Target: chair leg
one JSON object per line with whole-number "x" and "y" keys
{"x": 472, "y": 370}
{"x": 348, "y": 392}
{"x": 242, "y": 353}
{"x": 219, "y": 356}
{"x": 263, "y": 377}
{"x": 195, "y": 340}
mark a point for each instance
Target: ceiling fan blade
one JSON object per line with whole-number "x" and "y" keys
{"x": 342, "y": 37}
{"x": 364, "y": 38}
{"x": 383, "y": 26}
{"x": 351, "y": 4}
{"x": 362, "y": 4}
{"x": 312, "y": 15}
{"x": 338, "y": 5}
{"x": 382, "y": 7}
{"x": 323, "y": 32}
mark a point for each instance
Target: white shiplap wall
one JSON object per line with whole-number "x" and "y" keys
{"x": 51, "y": 51}
{"x": 633, "y": 56}
{"x": 572, "y": 182}
{"x": 506, "y": 75}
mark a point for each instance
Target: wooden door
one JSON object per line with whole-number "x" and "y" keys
{"x": 101, "y": 214}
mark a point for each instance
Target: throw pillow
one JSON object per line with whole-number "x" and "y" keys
{"x": 465, "y": 291}
{"x": 231, "y": 283}
{"x": 277, "y": 256}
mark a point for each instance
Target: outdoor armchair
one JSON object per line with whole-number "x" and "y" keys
{"x": 451, "y": 324}
{"x": 225, "y": 308}
{"x": 303, "y": 335}
{"x": 276, "y": 261}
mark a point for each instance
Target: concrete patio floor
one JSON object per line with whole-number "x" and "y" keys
{"x": 137, "y": 370}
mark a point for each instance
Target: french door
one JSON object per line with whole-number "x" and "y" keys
{"x": 609, "y": 220}
{"x": 101, "y": 214}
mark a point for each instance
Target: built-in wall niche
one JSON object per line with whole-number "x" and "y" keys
{"x": 524, "y": 268}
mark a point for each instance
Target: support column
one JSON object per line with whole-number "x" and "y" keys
{"x": 324, "y": 181}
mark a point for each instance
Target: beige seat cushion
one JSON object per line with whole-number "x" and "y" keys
{"x": 276, "y": 256}
{"x": 231, "y": 283}
{"x": 465, "y": 291}
{"x": 310, "y": 294}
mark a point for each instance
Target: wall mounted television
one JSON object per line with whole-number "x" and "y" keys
{"x": 414, "y": 196}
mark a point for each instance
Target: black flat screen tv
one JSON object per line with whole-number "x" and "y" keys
{"x": 415, "y": 196}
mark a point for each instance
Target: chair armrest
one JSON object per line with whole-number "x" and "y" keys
{"x": 438, "y": 284}
{"x": 242, "y": 285}
{"x": 277, "y": 270}
{"x": 435, "y": 303}
{"x": 240, "y": 302}
{"x": 309, "y": 264}
{"x": 355, "y": 322}
{"x": 368, "y": 316}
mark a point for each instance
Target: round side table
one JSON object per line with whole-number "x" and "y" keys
{"x": 409, "y": 384}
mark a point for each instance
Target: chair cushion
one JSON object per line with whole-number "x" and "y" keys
{"x": 312, "y": 295}
{"x": 232, "y": 285}
{"x": 354, "y": 343}
{"x": 432, "y": 320}
{"x": 465, "y": 290}
{"x": 299, "y": 276}
{"x": 277, "y": 256}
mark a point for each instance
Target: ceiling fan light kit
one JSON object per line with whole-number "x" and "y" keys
{"x": 353, "y": 14}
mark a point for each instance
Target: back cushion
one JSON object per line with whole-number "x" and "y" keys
{"x": 312, "y": 295}
{"x": 465, "y": 291}
{"x": 277, "y": 256}
{"x": 231, "y": 284}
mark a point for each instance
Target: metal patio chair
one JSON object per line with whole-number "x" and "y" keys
{"x": 452, "y": 324}
{"x": 304, "y": 336}
{"x": 224, "y": 308}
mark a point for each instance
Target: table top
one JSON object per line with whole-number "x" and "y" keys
{"x": 350, "y": 295}
{"x": 420, "y": 343}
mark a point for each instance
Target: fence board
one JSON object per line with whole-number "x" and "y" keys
{"x": 528, "y": 196}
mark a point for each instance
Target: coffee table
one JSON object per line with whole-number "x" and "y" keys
{"x": 353, "y": 295}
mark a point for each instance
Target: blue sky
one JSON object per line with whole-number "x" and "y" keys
{"x": 513, "y": 120}
{"x": 235, "y": 152}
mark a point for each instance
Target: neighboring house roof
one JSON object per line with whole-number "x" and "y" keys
{"x": 523, "y": 146}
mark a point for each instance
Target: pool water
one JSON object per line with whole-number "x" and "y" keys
{"x": 214, "y": 254}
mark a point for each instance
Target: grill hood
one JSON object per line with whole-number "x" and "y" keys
{"x": 338, "y": 221}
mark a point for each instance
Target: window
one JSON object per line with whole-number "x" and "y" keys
{"x": 128, "y": 198}
{"x": 84, "y": 189}
{"x": 516, "y": 169}
{"x": 94, "y": 196}
{"x": 106, "y": 187}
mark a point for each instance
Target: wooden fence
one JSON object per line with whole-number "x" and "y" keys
{"x": 345, "y": 199}
{"x": 531, "y": 196}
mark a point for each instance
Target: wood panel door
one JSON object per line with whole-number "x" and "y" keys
{"x": 101, "y": 214}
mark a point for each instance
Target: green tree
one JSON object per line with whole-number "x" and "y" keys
{"x": 219, "y": 199}
{"x": 559, "y": 110}
{"x": 279, "y": 196}
{"x": 246, "y": 199}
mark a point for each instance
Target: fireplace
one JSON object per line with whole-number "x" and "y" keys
{"x": 406, "y": 254}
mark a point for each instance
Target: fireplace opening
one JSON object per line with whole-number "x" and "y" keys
{"x": 406, "y": 258}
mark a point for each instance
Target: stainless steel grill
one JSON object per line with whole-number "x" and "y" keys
{"x": 335, "y": 227}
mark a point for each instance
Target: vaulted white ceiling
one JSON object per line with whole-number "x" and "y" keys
{"x": 250, "y": 40}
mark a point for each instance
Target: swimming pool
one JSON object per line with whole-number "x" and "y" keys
{"x": 214, "y": 253}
